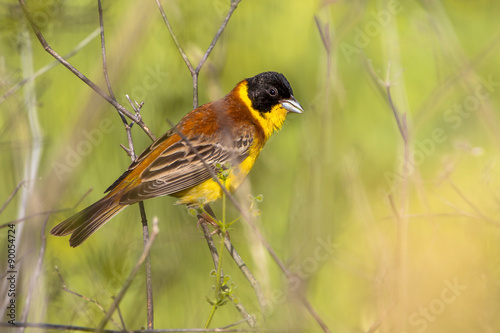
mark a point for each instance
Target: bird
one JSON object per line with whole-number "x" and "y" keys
{"x": 233, "y": 130}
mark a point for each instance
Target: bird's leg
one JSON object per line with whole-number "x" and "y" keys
{"x": 208, "y": 216}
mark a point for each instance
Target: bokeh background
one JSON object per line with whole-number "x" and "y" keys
{"x": 379, "y": 240}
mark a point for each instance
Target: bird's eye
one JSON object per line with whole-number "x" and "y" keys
{"x": 272, "y": 92}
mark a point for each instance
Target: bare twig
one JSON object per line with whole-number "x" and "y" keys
{"x": 234, "y": 5}
{"x": 195, "y": 71}
{"x": 401, "y": 216}
{"x": 472, "y": 205}
{"x": 128, "y": 128}
{"x": 149, "y": 280}
{"x": 103, "y": 52}
{"x": 131, "y": 152}
{"x": 121, "y": 318}
{"x": 215, "y": 257}
{"x": 386, "y": 84}
{"x": 38, "y": 270}
{"x": 48, "y": 67}
{"x": 144, "y": 221}
{"x": 65, "y": 288}
{"x": 131, "y": 276}
{"x": 90, "y": 329}
{"x": 247, "y": 273}
{"x": 324, "y": 33}
{"x": 12, "y": 195}
{"x": 82, "y": 77}
{"x": 174, "y": 37}
{"x": 104, "y": 61}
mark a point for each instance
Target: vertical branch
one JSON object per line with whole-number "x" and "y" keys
{"x": 36, "y": 274}
{"x": 195, "y": 71}
{"x": 131, "y": 152}
{"x": 149, "y": 280}
{"x": 326, "y": 116}
{"x": 32, "y": 161}
{"x": 401, "y": 215}
{"x": 103, "y": 52}
{"x": 215, "y": 257}
{"x": 144, "y": 221}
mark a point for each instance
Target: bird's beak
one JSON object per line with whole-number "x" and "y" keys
{"x": 291, "y": 105}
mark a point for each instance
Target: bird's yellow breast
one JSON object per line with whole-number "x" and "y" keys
{"x": 209, "y": 190}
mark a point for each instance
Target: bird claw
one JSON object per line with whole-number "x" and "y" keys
{"x": 207, "y": 219}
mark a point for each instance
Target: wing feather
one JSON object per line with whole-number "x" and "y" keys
{"x": 178, "y": 168}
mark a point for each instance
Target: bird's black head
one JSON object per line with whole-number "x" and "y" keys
{"x": 268, "y": 89}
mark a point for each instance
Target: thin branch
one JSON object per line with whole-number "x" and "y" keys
{"x": 131, "y": 152}
{"x": 131, "y": 276}
{"x": 48, "y": 67}
{"x": 90, "y": 329}
{"x": 82, "y": 77}
{"x": 386, "y": 84}
{"x": 12, "y": 195}
{"x": 215, "y": 257}
{"x": 121, "y": 318}
{"x": 246, "y": 272}
{"x": 400, "y": 119}
{"x": 145, "y": 231}
{"x": 234, "y": 5}
{"x": 104, "y": 61}
{"x": 324, "y": 33}
{"x": 174, "y": 37}
{"x": 38, "y": 270}
{"x": 65, "y": 288}
{"x": 195, "y": 71}
{"x": 149, "y": 279}
{"x": 128, "y": 128}
{"x": 401, "y": 216}
{"x": 472, "y": 205}
{"x": 103, "y": 52}
{"x": 233, "y": 324}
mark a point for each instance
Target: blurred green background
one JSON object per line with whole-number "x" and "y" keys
{"x": 378, "y": 243}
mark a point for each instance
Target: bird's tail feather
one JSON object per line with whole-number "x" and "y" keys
{"x": 86, "y": 222}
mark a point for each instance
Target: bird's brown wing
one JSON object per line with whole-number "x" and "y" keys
{"x": 139, "y": 159}
{"x": 178, "y": 168}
